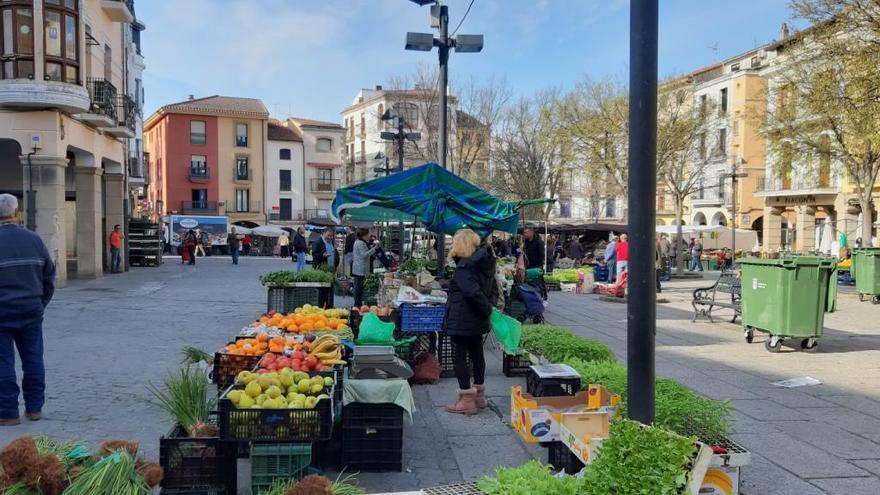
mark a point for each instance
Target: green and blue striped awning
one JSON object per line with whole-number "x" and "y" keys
{"x": 435, "y": 197}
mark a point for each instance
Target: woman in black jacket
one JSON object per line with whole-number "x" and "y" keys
{"x": 472, "y": 293}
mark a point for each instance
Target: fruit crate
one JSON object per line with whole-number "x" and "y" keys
{"x": 422, "y": 318}
{"x": 551, "y": 387}
{"x": 227, "y": 366}
{"x": 196, "y": 465}
{"x": 278, "y": 425}
{"x": 326, "y": 454}
{"x": 287, "y": 299}
{"x": 515, "y": 364}
{"x": 270, "y": 461}
{"x": 372, "y": 437}
{"x": 562, "y": 458}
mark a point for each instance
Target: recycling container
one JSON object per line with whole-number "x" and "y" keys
{"x": 866, "y": 270}
{"x": 786, "y": 298}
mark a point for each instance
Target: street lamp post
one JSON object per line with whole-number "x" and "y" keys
{"x": 734, "y": 178}
{"x": 463, "y": 43}
{"x": 400, "y": 137}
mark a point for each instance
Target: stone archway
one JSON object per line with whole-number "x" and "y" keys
{"x": 719, "y": 218}
{"x": 758, "y": 226}
{"x": 699, "y": 219}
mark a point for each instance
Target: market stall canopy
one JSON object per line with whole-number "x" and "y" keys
{"x": 268, "y": 231}
{"x": 238, "y": 229}
{"x": 437, "y": 198}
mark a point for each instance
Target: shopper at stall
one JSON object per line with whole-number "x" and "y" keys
{"x": 611, "y": 259}
{"x": 246, "y": 244}
{"x": 533, "y": 249}
{"x": 324, "y": 251}
{"x": 27, "y": 282}
{"x": 299, "y": 248}
{"x": 472, "y": 294}
{"x": 361, "y": 253}
{"x": 697, "y": 256}
{"x": 284, "y": 244}
{"x": 576, "y": 252}
{"x": 234, "y": 243}
{"x": 622, "y": 254}
{"x": 189, "y": 243}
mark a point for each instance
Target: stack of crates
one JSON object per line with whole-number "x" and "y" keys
{"x": 372, "y": 437}
{"x": 558, "y": 454}
{"x": 271, "y": 461}
{"x": 197, "y": 465}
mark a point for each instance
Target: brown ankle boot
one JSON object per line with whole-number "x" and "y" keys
{"x": 480, "y": 399}
{"x": 466, "y": 403}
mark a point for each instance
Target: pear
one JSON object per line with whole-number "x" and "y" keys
{"x": 298, "y": 403}
{"x": 270, "y": 404}
{"x": 273, "y": 392}
{"x": 244, "y": 377}
{"x": 316, "y": 388}
{"x": 328, "y": 381}
{"x": 235, "y": 395}
{"x": 304, "y": 386}
{"x": 322, "y": 397}
{"x": 286, "y": 379}
{"x": 253, "y": 389}
{"x": 246, "y": 401}
{"x": 261, "y": 398}
{"x": 311, "y": 402}
{"x": 299, "y": 376}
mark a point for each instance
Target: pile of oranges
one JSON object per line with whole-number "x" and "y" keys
{"x": 257, "y": 346}
{"x": 303, "y": 323}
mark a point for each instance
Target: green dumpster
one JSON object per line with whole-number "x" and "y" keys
{"x": 787, "y": 298}
{"x": 866, "y": 271}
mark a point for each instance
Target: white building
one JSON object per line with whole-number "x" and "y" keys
{"x": 285, "y": 174}
{"x": 322, "y": 144}
{"x": 134, "y": 88}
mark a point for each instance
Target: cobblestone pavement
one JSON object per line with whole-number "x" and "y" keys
{"x": 804, "y": 441}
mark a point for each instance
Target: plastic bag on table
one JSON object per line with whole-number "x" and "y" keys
{"x": 507, "y": 330}
{"x": 375, "y": 331}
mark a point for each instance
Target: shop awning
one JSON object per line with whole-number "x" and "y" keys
{"x": 437, "y": 198}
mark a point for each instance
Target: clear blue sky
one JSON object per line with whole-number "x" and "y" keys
{"x": 310, "y": 57}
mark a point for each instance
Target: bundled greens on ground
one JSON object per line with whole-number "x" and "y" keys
{"x": 557, "y": 344}
{"x": 315, "y": 485}
{"x": 184, "y": 396}
{"x": 677, "y": 407}
{"x": 284, "y": 277}
{"x": 112, "y": 475}
{"x": 635, "y": 459}
{"x": 532, "y": 478}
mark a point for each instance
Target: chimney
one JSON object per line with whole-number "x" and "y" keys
{"x": 191, "y": 97}
{"x": 378, "y": 87}
{"x": 783, "y": 32}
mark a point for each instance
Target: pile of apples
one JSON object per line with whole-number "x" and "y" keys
{"x": 285, "y": 389}
{"x": 299, "y": 360}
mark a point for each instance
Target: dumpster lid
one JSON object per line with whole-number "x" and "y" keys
{"x": 826, "y": 262}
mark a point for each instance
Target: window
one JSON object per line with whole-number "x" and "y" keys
{"x": 17, "y": 31}
{"x": 722, "y": 142}
{"x": 610, "y": 208}
{"x": 284, "y": 180}
{"x": 723, "y": 101}
{"x": 285, "y": 209}
{"x": 824, "y": 160}
{"x": 284, "y": 154}
{"x": 661, "y": 201}
{"x": 721, "y": 188}
{"x": 410, "y": 114}
{"x": 136, "y": 38}
{"x": 594, "y": 207}
{"x": 241, "y": 168}
{"x": 703, "y": 146}
{"x": 241, "y": 135}
{"x": 734, "y": 67}
{"x": 703, "y": 103}
{"x": 363, "y": 125}
{"x": 61, "y": 40}
{"x": 198, "y": 166}
{"x": 199, "y": 198}
{"x": 197, "y": 132}
{"x": 242, "y": 200}
{"x": 324, "y": 145}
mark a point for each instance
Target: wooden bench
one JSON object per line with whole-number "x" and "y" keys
{"x": 725, "y": 293}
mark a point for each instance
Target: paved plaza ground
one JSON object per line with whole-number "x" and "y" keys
{"x": 106, "y": 338}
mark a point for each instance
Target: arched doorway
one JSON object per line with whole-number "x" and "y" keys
{"x": 11, "y": 170}
{"x": 719, "y": 219}
{"x": 699, "y": 219}
{"x": 758, "y": 226}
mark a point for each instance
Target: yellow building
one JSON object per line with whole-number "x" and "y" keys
{"x": 65, "y": 118}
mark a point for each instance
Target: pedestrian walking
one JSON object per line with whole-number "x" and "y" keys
{"x": 361, "y": 253}
{"x": 324, "y": 251}
{"x": 284, "y": 244}
{"x": 200, "y": 248}
{"x": 348, "y": 251}
{"x": 611, "y": 259}
{"x": 234, "y": 243}
{"x": 473, "y": 292}
{"x": 658, "y": 264}
{"x": 246, "y": 242}
{"x": 299, "y": 248}
{"x": 27, "y": 282}
{"x": 622, "y": 254}
{"x": 697, "y": 256}
{"x": 116, "y": 238}
{"x": 189, "y": 243}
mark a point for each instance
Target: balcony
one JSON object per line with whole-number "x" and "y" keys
{"x": 119, "y": 10}
{"x": 709, "y": 196}
{"x": 775, "y": 186}
{"x": 252, "y": 207}
{"x": 312, "y": 214}
{"x": 28, "y": 93}
{"x": 102, "y": 110}
{"x": 126, "y": 118}
{"x": 199, "y": 172}
{"x": 325, "y": 185}
{"x": 199, "y": 207}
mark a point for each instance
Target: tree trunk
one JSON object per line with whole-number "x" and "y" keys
{"x": 679, "y": 258}
{"x": 867, "y": 216}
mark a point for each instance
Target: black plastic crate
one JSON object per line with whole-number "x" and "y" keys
{"x": 358, "y": 415}
{"x": 227, "y": 366}
{"x": 551, "y": 387}
{"x": 562, "y": 458}
{"x": 215, "y": 490}
{"x": 327, "y": 454}
{"x": 446, "y": 355}
{"x": 287, "y": 299}
{"x": 369, "y": 448}
{"x": 515, "y": 365}
{"x": 196, "y": 465}
{"x": 278, "y": 425}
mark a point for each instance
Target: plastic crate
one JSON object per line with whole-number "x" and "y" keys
{"x": 287, "y": 299}
{"x": 551, "y": 387}
{"x": 372, "y": 437}
{"x": 227, "y": 366}
{"x": 446, "y": 355}
{"x": 562, "y": 458}
{"x": 357, "y": 415}
{"x": 270, "y": 461}
{"x": 422, "y": 318}
{"x": 515, "y": 365}
{"x": 279, "y": 425}
{"x": 196, "y": 465}
{"x": 327, "y": 454}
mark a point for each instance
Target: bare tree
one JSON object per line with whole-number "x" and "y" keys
{"x": 531, "y": 155}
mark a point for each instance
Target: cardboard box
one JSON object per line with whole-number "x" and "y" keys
{"x": 536, "y": 419}
{"x": 721, "y": 481}
{"x": 583, "y": 433}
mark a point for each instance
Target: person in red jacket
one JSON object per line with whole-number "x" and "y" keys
{"x": 622, "y": 254}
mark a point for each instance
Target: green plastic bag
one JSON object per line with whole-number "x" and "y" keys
{"x": 375, "y": 331}
{"x": 507, "y": 330}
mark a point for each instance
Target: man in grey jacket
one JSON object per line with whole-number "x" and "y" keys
{"x": 360, "y": 263}
{"x": 27, "y": 282}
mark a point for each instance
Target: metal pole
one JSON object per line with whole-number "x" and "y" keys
{"x": 733, "y": 222}
{"x": 31, "y": 220}
{"x": 443, "y": 51}
{"x": 641, "y": 299}
{"x": 401, "y": 136}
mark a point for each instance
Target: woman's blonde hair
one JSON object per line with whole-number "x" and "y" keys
{"x": 464, "y": 243}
